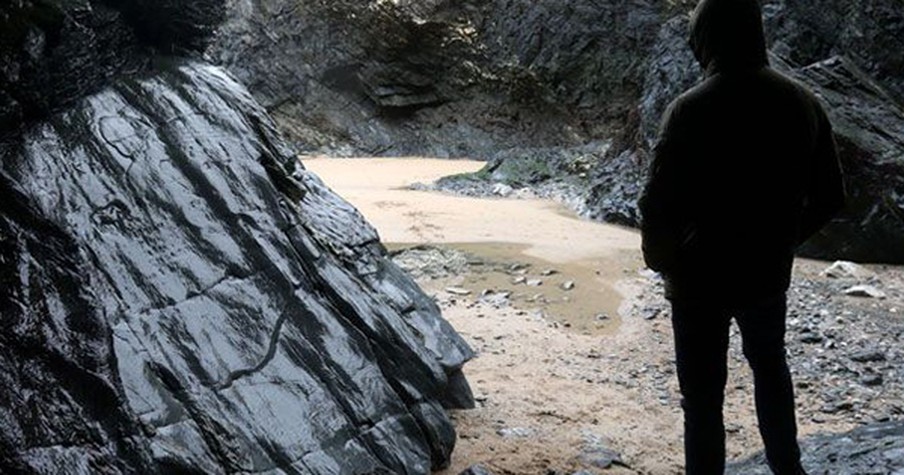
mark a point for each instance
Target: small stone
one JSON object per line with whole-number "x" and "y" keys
{"x": 568, "y": 285}
{"x": 548, "y": 272}
{"x": 519, "y": 280}
{"x": 868, "y": 356}
{"x": 476, "y": 470}
{"x": 873, "y": 379}
{"x": 835, "y": 407}
{"x": 601, "y": 457}
{"x": 501, "y": 189}
{"x": 602, "y": 316}
{"x": 810, "y": 338}
{"x": 517, "y": 267}
{"x": 534, "y": 282}
{"x": 516, "y": 432}
{"x": 867, "y": 291}
{"x": 458, "y": 291}
{"x": 845, "y": 270}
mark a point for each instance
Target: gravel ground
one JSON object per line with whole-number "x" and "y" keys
{"x": 618, "y": 387}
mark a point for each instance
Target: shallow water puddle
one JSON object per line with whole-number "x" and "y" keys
{"x": 579, "y": 295}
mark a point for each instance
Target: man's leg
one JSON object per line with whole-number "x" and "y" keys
{"x": 701, "y": 344}
{"x": 763, "y": 332}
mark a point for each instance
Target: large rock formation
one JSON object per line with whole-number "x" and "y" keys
{"x": 442, "y": 78}
{"x": 868, "y": 122}
{"x": 179, "y": 295}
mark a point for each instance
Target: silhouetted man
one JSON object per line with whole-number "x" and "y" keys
{"x": 745, "y": 170}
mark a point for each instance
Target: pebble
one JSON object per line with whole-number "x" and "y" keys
{"x": 534, "y": 282}
{"x": 867, "y": 291}
{"x": 810, "y": 337}
{"x": 476, "y": 470}
{"x": 518, "y": 432}
{"x": 568, "y": 285}
{"x": 501, "y": 189}
{"x": 868, "y": 356}
{"x": 873, "y": 379}
{"x": 458, "y": 291}
{"x": 845, "y": 270}
{"x": 836, "y": 407}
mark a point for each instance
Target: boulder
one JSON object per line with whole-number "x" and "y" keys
{"x": 179, "y": 295}
{"x": 869, "y": 130}
{"x": 875, "y": 448}
{"x": 870, "y": 35}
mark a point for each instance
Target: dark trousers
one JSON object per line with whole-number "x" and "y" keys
{"x": 701, "y": 347}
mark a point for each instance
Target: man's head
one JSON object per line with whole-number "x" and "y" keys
{"x": 727, "y": 35}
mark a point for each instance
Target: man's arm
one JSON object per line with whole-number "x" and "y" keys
{"x": 659, "y": 203}
{"x": 825, "y": 191}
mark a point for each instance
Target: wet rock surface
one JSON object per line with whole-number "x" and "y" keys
{"x": 875, "y": 449}
{"x": 179, "y": 295}
{"x": 447, "y": 79}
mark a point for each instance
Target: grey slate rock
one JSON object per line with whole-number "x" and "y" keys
{"x": 872, "y": 449}
{"x": 178, "y": 294}
{"x": 476, "y": 470}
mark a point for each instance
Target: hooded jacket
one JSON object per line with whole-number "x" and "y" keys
{"x": 744, "y": 170}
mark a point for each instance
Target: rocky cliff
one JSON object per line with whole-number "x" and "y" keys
{"x": 867, "y": 118}
{"x": 515, "y": 81}
{"x": 179, "y": 295}
{"x": 440, "y": 78}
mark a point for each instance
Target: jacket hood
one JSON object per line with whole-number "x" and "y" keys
{"x": 727, "y": 35}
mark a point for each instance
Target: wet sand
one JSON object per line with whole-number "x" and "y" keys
{"x": 543, "y": 236}
{"x": 552, "y": 377}
{"x": 557, "y": 387}
{"x": 377, "y": 188}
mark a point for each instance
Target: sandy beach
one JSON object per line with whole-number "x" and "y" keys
{"x": 574, "y": 368}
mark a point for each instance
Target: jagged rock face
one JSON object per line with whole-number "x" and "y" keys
{"x": 54, "y": 53}
{"x": 583, "y": 53}
{"x": 438, "y": 78}
{"x": 180, "y": 296}
{"x": 344, "y": 75}
{"x": 870, "y": 35}
{"x": 870, "y": 449}
{"x": 869, "y": 129}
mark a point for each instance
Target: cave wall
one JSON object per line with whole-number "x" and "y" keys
{"x": 180, "y": 295}
{"x": 518, "y": 81}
